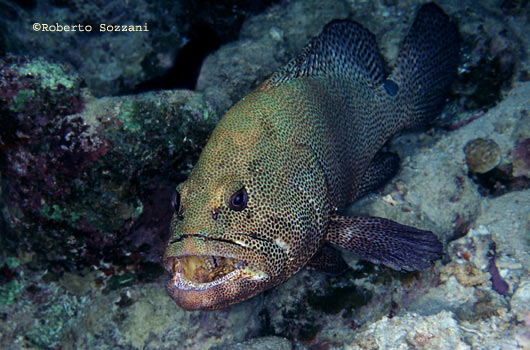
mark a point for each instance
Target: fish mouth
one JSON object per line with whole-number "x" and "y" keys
{"x": 201, "y": 272}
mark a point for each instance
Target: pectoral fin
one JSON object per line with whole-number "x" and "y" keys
{"x": 382, "y": 168}
{"x": 328, "y": 260}
{"x": 384, "y": 241}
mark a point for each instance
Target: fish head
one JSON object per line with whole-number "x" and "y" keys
{"x": 241, "y": 224}
{"x": 215, "y": 256}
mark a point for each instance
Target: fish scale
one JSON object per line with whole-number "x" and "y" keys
{"x": 281, "y": 164}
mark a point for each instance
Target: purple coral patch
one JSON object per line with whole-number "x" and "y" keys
{"x": 498, "y": 284}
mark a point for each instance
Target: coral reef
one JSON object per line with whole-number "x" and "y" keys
{"x": 92, "y": 186}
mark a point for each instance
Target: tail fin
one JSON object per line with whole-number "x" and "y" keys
{"x": 426, "y": 64}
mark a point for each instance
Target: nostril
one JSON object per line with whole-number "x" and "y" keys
{"x": 215, "y": 213}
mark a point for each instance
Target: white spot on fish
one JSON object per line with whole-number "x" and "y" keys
{"x": 282, "y": 244}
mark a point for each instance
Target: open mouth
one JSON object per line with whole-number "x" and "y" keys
{"x": 194, "y": 272}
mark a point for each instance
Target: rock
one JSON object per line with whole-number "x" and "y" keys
{"x": 266, "y": 42}
{"x": 96, "y": 38}
{"x": 264, "y": 343}
{"x": 439, "y": 331}
{"x": 521, "y": 158}
{"x": 521, "y": 300}
{"x": 506, "y": 217}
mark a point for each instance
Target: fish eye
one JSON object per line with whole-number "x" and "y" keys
{"x": 175, "y": 201}
{"x": 238, "y": 200}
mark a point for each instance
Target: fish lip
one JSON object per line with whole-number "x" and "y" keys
{"x": 242, "y": 271}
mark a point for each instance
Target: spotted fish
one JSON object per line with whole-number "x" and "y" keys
{"x": 264, "y": 199}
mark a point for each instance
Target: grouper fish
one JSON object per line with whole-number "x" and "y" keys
{"x": 265, "y": 196}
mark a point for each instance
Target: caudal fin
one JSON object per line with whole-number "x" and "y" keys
{"x": 426, "y": 64}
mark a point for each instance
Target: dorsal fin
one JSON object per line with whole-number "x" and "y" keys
{"x": 343, "y": 49}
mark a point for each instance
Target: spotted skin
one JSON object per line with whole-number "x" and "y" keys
{"x": 302, "y": 146}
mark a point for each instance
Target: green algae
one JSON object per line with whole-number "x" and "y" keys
{"x": 126, "y": 279}
{"x": 129, "y": 117}
{"x": 57, "y": 213}
{"x": 51, "y": 75}
{"x": 11, "y": 262}
{"x": 21, "y": 99}
{"x": 52, "y": 320}
{"x": 10, "y": 291}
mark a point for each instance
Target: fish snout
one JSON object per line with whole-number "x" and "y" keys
{"x": 211, "y": 273}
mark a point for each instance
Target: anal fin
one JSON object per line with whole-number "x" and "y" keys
{"x": 384, "y": 241}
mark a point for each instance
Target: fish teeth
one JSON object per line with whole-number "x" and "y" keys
{"x": 240, "y": 264}
{"x": 177, "y": 266}
{"x": 213, "y": 261}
